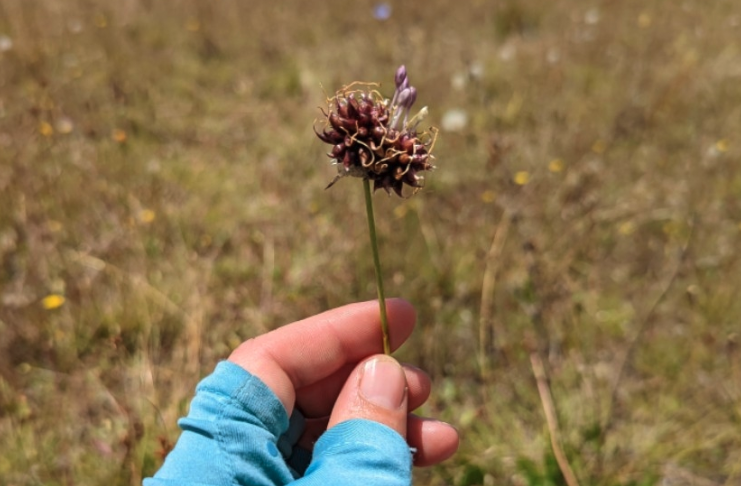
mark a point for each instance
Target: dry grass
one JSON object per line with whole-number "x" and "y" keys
{"x": 158, "y": 170}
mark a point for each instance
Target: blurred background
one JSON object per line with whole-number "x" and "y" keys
{"x": 162, "y": 199}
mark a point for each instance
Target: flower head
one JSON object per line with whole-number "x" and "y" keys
{"x": 374, "y": 138}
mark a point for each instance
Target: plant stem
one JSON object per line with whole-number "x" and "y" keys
{"x": 544, "y": 390}
{"x": 377, "y": 264}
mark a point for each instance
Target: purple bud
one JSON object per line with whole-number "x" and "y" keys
{"x": 412, "y": 97}
{"x": 401, "y": 75}
{"x": 403, "y": 98}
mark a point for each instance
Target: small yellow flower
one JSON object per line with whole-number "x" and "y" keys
{"x": 119, "y": 135}
{"x": 488, "y": 196}
{"x": 722, "y": 145}
{"x": 522, "y": 177}
{"x": 52, "y": 301}
{"x": 555, "y": 165}
{"x": 599, "y": 146}
{"x": 46, "y": 129}
{"x": 146, "y": 216}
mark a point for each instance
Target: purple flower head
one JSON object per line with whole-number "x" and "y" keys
{"x": 374, "y": 138}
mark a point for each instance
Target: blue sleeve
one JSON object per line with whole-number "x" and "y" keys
{"x": 230, "y": 435}
{"x": 359, "y": 452}
{"x": 236, "y": 434}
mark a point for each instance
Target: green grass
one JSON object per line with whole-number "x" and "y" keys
{"x": 158, "y": 169}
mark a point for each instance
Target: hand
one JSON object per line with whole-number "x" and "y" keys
{"x": 329, "y": 367}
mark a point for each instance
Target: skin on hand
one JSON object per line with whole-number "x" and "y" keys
{"x": 331, "y": 367}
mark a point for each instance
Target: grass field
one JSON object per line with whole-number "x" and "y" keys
{"x": 162, "y": 199}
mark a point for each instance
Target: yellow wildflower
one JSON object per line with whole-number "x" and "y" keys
{"x": 119, "y": 135}
{"x": 555, "y": 165}
{"x": 146, "y": 216}
{"x": 722, "y": 145}
{"x": 52, "y": 301}
{"x": 522, "y": 177}
{"x": 46, "y": 129}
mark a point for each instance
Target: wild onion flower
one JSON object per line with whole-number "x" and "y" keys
{"x": 375, "y": 138}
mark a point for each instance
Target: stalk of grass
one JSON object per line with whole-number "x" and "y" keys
{"x": 549, "y": 409}
{"x": 377, "y": 265}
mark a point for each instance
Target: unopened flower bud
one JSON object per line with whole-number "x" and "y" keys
{"x": 404, "y": 97}
{"x": 412, "y": 97}
{"x": 401, "y": 75}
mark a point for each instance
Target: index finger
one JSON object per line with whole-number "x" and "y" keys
{"x": 307, "y": 351}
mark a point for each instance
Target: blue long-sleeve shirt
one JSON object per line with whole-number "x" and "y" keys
{"x": 237, "y": 433}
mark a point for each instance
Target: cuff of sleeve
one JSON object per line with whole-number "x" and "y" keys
{"x": 360, "y": 452}
{"x": 230, "y": 435}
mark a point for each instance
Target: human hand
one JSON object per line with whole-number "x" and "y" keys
{"x": 329, "y": 367}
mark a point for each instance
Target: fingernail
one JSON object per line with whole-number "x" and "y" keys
{"x": 383, "y": 383}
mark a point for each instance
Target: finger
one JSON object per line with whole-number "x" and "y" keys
{"x": 317, "y": 400}
{"x": 419, "y": 386}
{"x": 376, "y": 390}
{"x": 435, "y": 441}
{"x": 303, "y": 353}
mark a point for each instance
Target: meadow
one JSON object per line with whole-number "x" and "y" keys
{"x": 162, "y": 199}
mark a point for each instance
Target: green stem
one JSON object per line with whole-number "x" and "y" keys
{"x": 377, "y": 264}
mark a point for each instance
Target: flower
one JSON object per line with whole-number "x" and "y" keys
{"x": 556, "y": 165}
{"x": 52, "y": 301}
{"x": 522, "y": 177}
{"x": 382, "y": 11}
{"x": 374, "y": 138}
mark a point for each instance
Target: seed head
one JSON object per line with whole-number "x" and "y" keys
{"x": 373, "y": 138}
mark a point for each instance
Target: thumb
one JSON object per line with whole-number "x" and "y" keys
{"x": 376, "y": 390}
